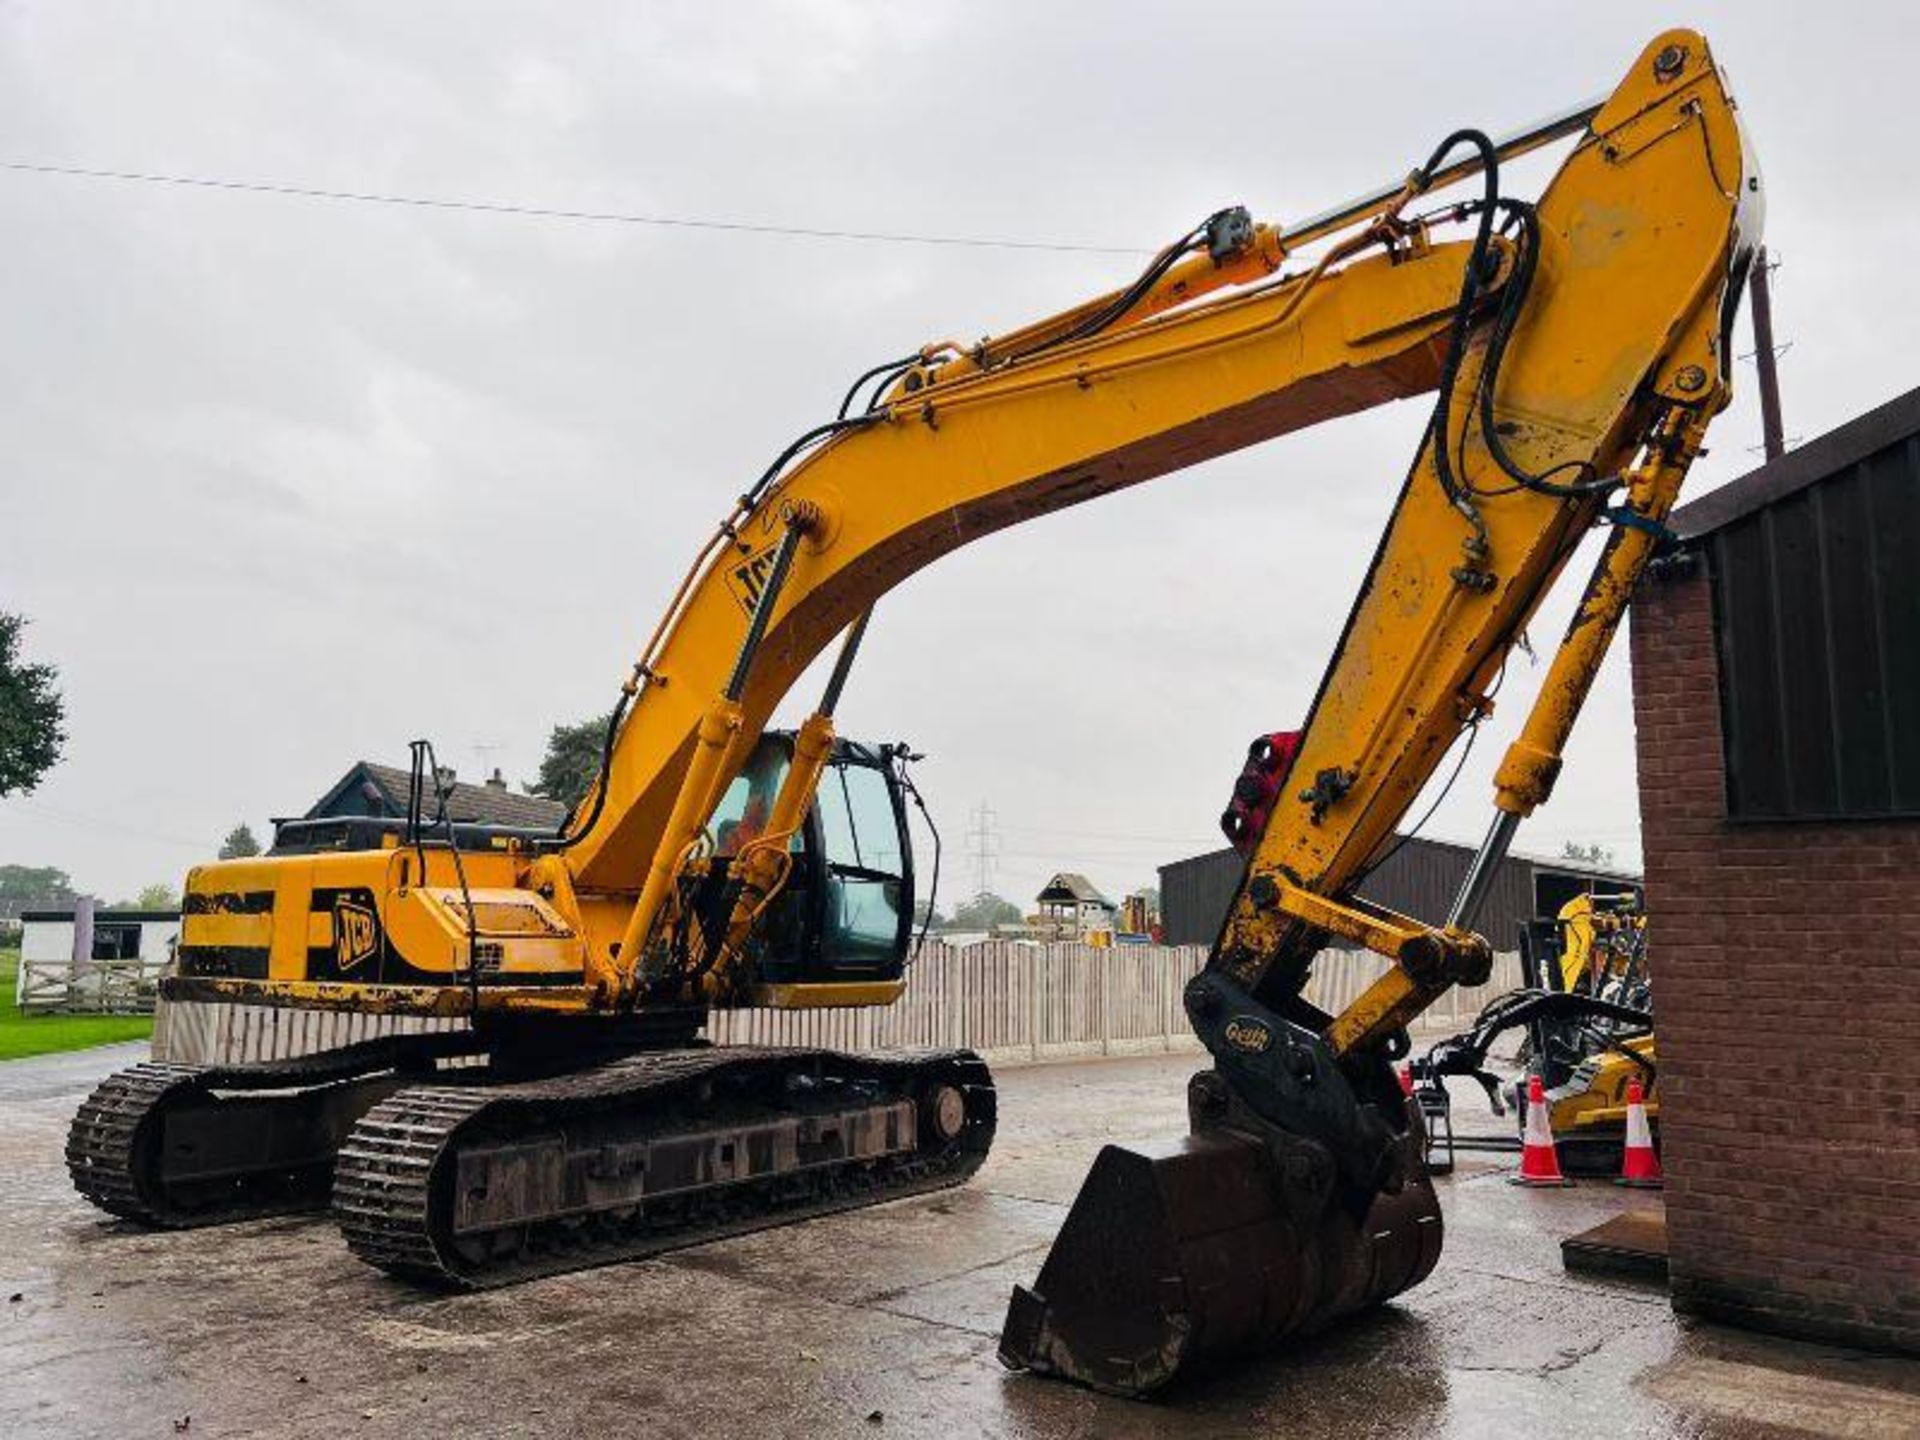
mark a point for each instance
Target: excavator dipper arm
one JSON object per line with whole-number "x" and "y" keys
{"x": 1582, "y": 398}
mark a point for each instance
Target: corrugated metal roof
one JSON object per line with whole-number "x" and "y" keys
{"x": 1816, "y": 617}
{"x": 1811, "y": 463}
{"x": 1419, "y": 878}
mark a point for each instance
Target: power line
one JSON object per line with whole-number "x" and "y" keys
{"x": 69, "y": 817}
{"x": 986, "y": 848}
{"x": 545, "y": 212}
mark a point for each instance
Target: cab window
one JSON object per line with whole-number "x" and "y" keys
{"x": 860, "y": 832}
{"x": 741, "y": 816}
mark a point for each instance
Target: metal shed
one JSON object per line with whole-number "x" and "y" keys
{"x": 1419, "y": 879}
{"x": 1812, "y": 561}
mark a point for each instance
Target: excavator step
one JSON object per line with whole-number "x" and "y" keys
{"x": 475, "y": 1185}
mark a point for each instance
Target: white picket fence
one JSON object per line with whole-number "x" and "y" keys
{"x": 90, "y": 987}
{"x": 1010, "y": 1001}
{"x": 192, "y": 1033}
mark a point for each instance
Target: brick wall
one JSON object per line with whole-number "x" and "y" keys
{"x": 1786, "y": 963}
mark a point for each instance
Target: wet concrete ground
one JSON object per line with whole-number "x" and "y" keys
{"x": 877, "y": 1323}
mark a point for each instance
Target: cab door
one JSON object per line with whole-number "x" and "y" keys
{"x": 846, "y": 911}
{"x": 865, "y": 910}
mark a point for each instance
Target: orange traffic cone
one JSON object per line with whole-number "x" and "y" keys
{"x": 1640, "y": 1165}
{"x": 1539, "y": 1161}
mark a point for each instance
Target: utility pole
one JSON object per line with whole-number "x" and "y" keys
{"x": 982, "y": 836}
{"x": 1764, "y": 355}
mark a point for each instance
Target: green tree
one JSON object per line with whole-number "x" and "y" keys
{"x": 158, "y": 896}
{"x": 572, "y": 761}
{"x": 28, "y": 887}
{"x": 985, "y": 911}
{"x": 32, "y": 714}
{"x": 1586, "y": 854}
{"x": 239, "y": 843}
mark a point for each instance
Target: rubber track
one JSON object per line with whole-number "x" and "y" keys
{"x": 100, "y": 1142}
{"x": 105, "y": 1143}
{"x": 385, "y": 1179}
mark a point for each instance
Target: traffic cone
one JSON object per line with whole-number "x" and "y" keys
{"x": 1640, "y": 1163}
{"x": 1539, "y": 1161}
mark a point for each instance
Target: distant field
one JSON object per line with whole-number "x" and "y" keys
{"x": 22, "y": 1035}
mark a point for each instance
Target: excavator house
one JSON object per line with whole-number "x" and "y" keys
{"x": 1575, "y": 346}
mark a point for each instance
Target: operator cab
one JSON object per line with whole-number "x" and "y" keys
{"x": 846, "y": 912}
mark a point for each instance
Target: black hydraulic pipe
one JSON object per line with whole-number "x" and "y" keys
{"x": 843, "y": 666}
{"x": 763, "y": 612}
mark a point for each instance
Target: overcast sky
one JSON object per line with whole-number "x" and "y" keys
{"x": 289, "y": 482}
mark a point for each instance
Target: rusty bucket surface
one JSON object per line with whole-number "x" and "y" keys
{"x": 1181, "y": 1254}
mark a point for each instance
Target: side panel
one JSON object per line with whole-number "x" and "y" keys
{"x": 362, "y": 918}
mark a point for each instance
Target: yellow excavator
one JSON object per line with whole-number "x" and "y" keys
{"x": 1587, "y": 1014}
{"x": 1576, "y": 345}
{"x": 1596, "y": 951}
{"x": 1602, "y": 946}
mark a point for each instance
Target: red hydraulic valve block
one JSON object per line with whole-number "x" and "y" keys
{"x": 1261, "y": 780}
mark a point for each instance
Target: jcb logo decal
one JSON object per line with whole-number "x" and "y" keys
{"x": 1244, "y": 1033}
{"x": 747, "y": 576}
{"x": 356, "y": 934}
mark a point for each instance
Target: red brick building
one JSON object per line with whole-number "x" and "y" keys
{"x": 1776, "y": 681}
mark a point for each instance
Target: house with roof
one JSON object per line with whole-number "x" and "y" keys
{"x": 1071, "y": 907}
{"x": 370, "y": 790}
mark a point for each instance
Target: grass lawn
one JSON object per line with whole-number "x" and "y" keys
{"x": 22, "y": 1035}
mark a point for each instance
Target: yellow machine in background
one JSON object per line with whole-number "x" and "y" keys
{"x": 1589, "y": 1107}
{"x": 1587, "y": 1018}
{"x": 1603, "y": 946}
{"x": 1590, "y": 1060}
{"x": 1576, "y": 347}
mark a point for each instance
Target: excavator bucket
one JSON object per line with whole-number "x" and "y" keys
{"x": 1180, "y": 1255}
